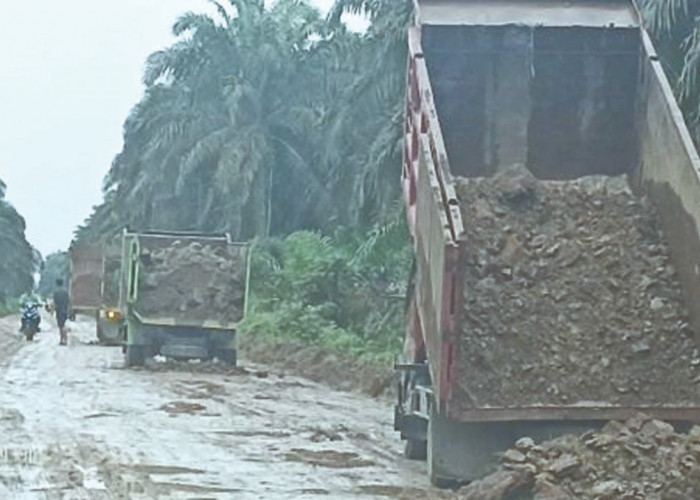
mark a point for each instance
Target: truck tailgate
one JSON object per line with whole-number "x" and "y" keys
{"x": 85, "y": 286}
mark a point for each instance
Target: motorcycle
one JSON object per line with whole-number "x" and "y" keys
{"x": 30, "y": 320}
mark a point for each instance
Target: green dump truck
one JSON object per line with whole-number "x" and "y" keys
{"x": 182, "y": 295}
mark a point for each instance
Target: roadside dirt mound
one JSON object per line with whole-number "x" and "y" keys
{"x": 642, "y": 458}
{"x": 10, "y": 339}
{"x": 193, "y": 281}
{"x": 570, "y": 296}
{"x": 320, "y": 365}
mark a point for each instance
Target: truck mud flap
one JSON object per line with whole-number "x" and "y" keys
{"x": 412, "y": 427}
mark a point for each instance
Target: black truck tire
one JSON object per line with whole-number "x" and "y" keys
{"x": 416, "y": 449}
{"x": 226, "y": 356}
{"x": 136, "y": 355}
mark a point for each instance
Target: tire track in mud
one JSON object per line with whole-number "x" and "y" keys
{"x": 101, "y": 431}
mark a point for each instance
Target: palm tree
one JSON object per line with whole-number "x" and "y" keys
{"x": 263, "y": 121}
{"x": 378, "y": 88}
{"x": 56, "y": 266}
{"x": 219, "y": 119}
{"x": 675, "y": 25}
{"x": 19, "y": 259}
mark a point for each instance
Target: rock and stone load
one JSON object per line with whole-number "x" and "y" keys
{"x": 570, "y": 297}
{"x": 640, "y": 459}
{"x": 193, "y": 281}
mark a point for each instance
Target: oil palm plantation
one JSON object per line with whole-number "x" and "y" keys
{"x": 221, "y": 122}
{"x": 263, "y": 120}
{"x": 19, "y": 259}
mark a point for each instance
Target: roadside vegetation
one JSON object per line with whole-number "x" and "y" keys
{"x": 55, "y": 266}
{"x": 18, "y": 260}
{"x": 345, "y": 291}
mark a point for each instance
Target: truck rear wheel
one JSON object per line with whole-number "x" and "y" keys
{"x": 416, "y": 449}
{"x": 460, "y": 452}
{"x": 226, "y": 356}
{"x": 136, "y": 354}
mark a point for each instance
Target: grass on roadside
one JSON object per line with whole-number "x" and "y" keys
{"x": 8, "y": 307}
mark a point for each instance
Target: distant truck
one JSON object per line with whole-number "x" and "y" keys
{"x": 568, "y": 89}
{"x": 94, "y": 288}
{"x": 183, "y": 295}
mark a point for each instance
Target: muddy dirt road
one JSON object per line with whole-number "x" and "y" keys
{"x": 75, "y": 425}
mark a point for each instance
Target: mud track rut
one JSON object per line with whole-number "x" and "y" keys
{"x": 76, "y": 425}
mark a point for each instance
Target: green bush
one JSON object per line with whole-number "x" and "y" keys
{"x": 9, "y": 306}
{"x": 55, "y": 266}
{"x": 345, "y": 291}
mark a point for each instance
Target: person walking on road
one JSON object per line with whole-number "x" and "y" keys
{"x": 61, "y": 306}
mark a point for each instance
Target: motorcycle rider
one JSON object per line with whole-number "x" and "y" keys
{"x": 29, "y": 301}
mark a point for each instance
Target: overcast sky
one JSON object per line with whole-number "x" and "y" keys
{"x": 70, "y": 71}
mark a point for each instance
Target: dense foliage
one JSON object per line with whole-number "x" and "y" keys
{"x": 675, "y": 26}
{"x": 262, "y": 121}
{"x": 345, "y": 291}
{"x": 19, "y": 260}
{"x": 55, "y": 266}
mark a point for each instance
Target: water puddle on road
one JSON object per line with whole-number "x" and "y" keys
{"x": 328, "y": 458}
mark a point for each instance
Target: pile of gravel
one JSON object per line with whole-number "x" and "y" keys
{"x": 569, "y": 297}
{"x": 639, "y": 459}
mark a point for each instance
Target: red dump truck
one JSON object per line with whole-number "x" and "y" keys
{"x": 94, "y": 287}
{"x": 552, "y": 192}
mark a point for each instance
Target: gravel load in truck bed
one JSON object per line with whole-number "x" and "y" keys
{"x": 570, "y": 297}
{"x": 193, "y": 281}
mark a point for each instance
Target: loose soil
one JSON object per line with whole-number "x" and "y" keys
{"x": 193, "y": 282}
{"x": 570, "y": 297}
{"x": 641, "y": 458}
{"x": 321, "y": 365}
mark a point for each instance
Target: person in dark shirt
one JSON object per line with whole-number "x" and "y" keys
{"x": 61, "y": 304}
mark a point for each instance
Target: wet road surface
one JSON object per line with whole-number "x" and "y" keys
{"x": 76, "y": 425}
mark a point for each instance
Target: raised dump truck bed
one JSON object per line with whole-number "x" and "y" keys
{"x": 516, "y": 325}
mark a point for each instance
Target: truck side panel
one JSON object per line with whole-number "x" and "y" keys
{"x": 670, "y": 172}
{"x": 431, "y": 255}
{"x": 435, "y": 222}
